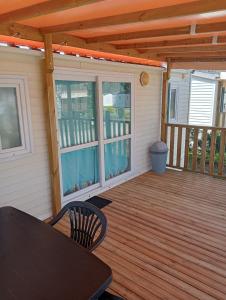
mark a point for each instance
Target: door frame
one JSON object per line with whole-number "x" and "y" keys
{"x": 72, "y": 74}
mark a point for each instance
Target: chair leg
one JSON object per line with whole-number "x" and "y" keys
{"x": 108, "y": 296}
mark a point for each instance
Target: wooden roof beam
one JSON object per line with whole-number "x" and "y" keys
{"x": 173, "y": 43}
{"x": 175, "y": 31}
{"x": 197, "y": 59}
{"x": 70, "y": 40}
{"x": 172, "y": 11}
{"x": 200, "y": 48}
{"x": 43, "y": 8}
{"x": 170, "y": 55}
{"x": 33, "y": 34}
{"x": 21, "y": 31}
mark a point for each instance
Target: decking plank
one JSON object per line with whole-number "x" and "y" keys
{"x": 167, "y": 237}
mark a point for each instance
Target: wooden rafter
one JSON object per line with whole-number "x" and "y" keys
{"x": 173, "y": 43}
{"x": 194, "y": 55}
{"x": 176, "y": 31}
{"x": 43, "y": 8}
{"x": 198, "y": 59}
{"x": 70, "y": 40}
{"x": 173, "y": 11}
{"x": 21, "y": 31}
{"x": 188, "y": 49}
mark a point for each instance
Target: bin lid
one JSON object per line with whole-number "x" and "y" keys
{"x": 159, "y": 147}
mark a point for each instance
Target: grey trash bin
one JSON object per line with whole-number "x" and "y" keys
{"x": 159, "y": 152}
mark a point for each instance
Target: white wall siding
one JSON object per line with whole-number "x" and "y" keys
{"x": 25, "y": 182}
{"x": 203, "y": 93}
{"x": 180, "y": 80}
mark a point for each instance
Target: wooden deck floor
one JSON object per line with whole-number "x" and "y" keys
{"x": 167, "y": 237}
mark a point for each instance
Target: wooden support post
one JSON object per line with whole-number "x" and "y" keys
{"x": 164, "y": 107}
{"x": 166, "y": 77}
{"x": 52, "y": 126}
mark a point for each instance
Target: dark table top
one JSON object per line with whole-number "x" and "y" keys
{"x": 39, "y": 263}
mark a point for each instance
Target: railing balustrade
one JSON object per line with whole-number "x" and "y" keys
{"x": 197, "y": 148}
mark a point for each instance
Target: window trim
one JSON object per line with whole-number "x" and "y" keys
{"x": 173, "y": 120}
{"x": 23, "y": 106}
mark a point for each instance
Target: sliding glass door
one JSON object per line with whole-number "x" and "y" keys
{"x": 76, "y": 105}
{"x": 117, "y": 128}
{"x": 95, "y": 131}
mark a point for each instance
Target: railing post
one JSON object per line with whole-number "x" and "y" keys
{"x": 212, "y": 152}
{"x": 52, "y": 127}
{"x": 222, "y": 151}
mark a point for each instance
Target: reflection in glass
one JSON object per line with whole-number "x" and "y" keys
{"x": 9, "y": 119}
{"x": 76, "y": 112}
{"x": 79, "y": 169}
{"x": 117, "y": 158}
{"x": 117, "y": 109}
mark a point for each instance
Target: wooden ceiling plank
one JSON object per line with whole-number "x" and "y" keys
{"x": 43, "y": 8}
{"x": 173, "y": 11}
{"x": 176, "y": 31}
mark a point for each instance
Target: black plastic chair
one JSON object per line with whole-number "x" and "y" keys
{"x": 88, "y": 223}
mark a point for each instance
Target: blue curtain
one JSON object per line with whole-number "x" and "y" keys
{"x": 79, "y": 169}
{"x": 117, "y": 158}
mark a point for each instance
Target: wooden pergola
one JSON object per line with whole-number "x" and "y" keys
{"x": 175, "y": 30}
{"x": 138, "y": 31}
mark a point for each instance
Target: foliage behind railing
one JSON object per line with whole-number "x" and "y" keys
{"x": 197, "y": 148}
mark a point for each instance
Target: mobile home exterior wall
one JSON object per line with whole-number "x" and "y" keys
{"x": 25, "y": 181}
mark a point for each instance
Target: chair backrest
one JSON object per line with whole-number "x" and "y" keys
{"x": 88, "y": 223}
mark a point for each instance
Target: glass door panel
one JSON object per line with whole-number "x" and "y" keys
{"x": 116, "y": 109}
{"x": 76, "y": 106}
{"x": 76, "y": 112}
{"x": 116, "y": 128}
{"x": 80, "y": 169}
{"x": 117, "y": 158}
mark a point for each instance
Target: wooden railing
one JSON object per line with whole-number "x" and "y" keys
{"x": 197, "y": 148}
